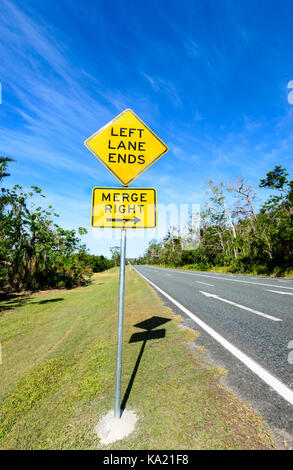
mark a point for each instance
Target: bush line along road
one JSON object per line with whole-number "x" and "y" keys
{"x": 247, "y": 324}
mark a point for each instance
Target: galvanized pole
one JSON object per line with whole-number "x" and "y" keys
{"x": 117, "y": 411}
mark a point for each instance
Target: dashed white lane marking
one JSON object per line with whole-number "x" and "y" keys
{"x": 278, "y": 292}
{"x": 205, "y": 283}
{"x": 216, "y": 276}
{"x": 262, "y": 373}
{"x": 238, "y": 280}
{"x": 243, "y": 307}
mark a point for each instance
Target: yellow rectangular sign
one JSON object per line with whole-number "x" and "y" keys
{"x": 124, "y": 208}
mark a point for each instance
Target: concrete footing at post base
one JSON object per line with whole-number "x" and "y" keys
{"x": 110, "y": 429}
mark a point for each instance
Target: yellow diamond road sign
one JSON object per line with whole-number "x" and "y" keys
{"x": 126, "y": 146}
{"x": 124, "y": 208}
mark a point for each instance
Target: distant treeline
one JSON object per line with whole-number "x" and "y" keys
{"x": 240, "y": 239}
{"x": 35, "y": 252}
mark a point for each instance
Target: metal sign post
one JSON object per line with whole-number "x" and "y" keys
{"x": 127, "y": 147}
{"x": 117, "y": 411}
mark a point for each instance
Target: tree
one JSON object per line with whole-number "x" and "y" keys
{"x": 115, "y": 251}
{"x": 277, "y": 180}
{"x": 3, "y": 166}
{"x": 35, "y": 252}
{"x": 245, "y": 240}
{"x": 220, "y": 210}
{"x": 245, "y": 193}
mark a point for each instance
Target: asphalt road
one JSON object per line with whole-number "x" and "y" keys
{"x": 253, "y": 314}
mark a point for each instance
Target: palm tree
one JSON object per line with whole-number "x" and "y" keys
{"x": 3, "y": 166}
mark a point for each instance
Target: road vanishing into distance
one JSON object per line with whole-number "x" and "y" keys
{"x": 246, "y": 326}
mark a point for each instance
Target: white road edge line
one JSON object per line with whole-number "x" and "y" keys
{"x": 243, "y": 307}
{"x": 205, "y": 283}
{"x": 278, "y": 292}
{"x": 262, "y": 373}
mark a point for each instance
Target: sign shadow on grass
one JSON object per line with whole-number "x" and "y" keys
{"x": 149, "y": 325}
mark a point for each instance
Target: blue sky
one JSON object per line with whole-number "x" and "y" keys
{"x": 210, "y": 77}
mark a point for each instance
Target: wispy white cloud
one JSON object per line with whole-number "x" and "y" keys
{"x": 163, "y": 86}
{"x": 182, "y": 154}
{"x": 36, "y": 149}
{"x": 290, "y": 94}
{"x": 198, "y": 116}
{"x": 191, "y": 47}
{"x": 59, "y": 105}
{"x": 15, "y": 25}
{"x": 251, "y": 124}
{"x": 53, "y": 104}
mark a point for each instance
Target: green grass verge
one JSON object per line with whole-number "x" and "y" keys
{"x": 58, "y": 371}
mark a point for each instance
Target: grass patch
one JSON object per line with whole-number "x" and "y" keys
{"x": 58, "y": 375}
{"x": 25, "y": 394}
